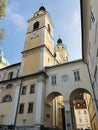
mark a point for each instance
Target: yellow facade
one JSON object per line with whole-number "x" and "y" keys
{"x": 44, "y": 84}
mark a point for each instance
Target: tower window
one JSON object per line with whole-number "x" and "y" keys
{"x": 48, "y": 59}
{"x": 21, "y": 108}
{"x": 54, "y": 80}
{"x": 76, "y": 75}
{"x": 23, "y": 90}
{"x": 49, "y": 28}
{"x": 30, "y": 107}
{"x": 35, "y": 26}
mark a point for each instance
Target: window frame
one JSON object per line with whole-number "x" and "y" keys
{"x": 10, "y": 75}
{"x": 21, "y": 108}
{"x": 54, "y": 80}
{"x": 23, "y": 91}
{"x": 5, "y": 100}
{"x": 77, "y": 75}
{"x": 32, "y": 89}
{"x": 9, "y": 86}
{"x": 30, "y": 107}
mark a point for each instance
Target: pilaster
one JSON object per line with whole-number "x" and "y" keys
{"x": 67, "y": 115}
{"x": 40, "y": 101}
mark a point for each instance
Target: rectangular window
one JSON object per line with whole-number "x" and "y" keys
{"x": 23, "y": 90}
{"x": 93, "y": 19}
{"x": 54, "y": 80}
{"x": 10, "y": 75}
{"x": 95, "y": 74}
{"x": 32, "y": 88}
{"x": 21, "y": 108}
{"x": 97, "y": 53}
{"x": 30, "y": 107}
{"x": 76, "y": 75}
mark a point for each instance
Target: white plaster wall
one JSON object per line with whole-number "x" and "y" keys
{"x": 66, "y": 88}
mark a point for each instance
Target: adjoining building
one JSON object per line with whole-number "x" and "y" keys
{"x": 39, "y": 92}
{"x": 81, "y": 115}
{"x": 89, "y": 19}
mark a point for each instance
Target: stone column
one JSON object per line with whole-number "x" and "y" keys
{"x": 55, "y": 113}
{"x": 39, "y": 116}
{"x": 68, "y": 122}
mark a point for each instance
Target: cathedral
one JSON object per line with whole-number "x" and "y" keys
{"x": 45, "y": 91}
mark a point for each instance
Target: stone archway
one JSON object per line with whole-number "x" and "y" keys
{"x": 55, "y": 111}
{"x": 81, "y": 102}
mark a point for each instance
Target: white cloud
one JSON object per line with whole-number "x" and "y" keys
{"x": 17, "y": 19}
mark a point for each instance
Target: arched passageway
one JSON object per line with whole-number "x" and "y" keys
{"x": 82, "y": 110}
{"x": 55, "y": 111}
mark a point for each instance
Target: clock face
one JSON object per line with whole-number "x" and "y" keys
{"x": 34, "y": 34}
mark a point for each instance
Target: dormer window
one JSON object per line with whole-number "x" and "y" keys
{"x": 35, "y": 26}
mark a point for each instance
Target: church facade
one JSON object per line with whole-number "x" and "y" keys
{"x": 39, "y": 93}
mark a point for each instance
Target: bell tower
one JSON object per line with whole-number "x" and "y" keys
{"x": 38, "y": 50}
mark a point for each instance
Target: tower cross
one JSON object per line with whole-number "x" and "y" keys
{"x": 42, "y": 2}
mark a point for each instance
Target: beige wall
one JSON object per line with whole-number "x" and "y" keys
{"x": 31, "y": 62}
{"x": 8, "y": 109}
{"x": 30, "y": 117}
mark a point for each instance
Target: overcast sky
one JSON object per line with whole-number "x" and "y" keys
{"x": 65, "y": 15}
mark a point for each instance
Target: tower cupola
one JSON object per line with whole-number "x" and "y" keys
{"x": 59, "y": 41}
{"x": 61, "y": 52}
{"x": 42, "y": 8}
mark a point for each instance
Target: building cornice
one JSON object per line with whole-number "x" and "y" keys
{"x": 63, "y": 64}
{"x": 26, "y": 76}
{"x": 11, "y": 66}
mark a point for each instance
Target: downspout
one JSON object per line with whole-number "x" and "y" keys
{"x": 18, "y": 102}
